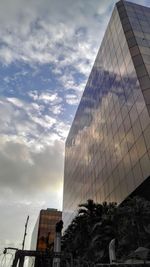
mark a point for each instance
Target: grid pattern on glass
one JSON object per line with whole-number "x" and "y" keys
{"x": 136, "y": 25}
{"x": 107, "y": 148}
{"x": 45, "y": 228}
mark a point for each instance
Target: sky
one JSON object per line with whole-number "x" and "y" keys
{"x": 47, "y": 49}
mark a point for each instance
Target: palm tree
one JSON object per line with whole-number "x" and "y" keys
{"x": 103, "y": 230}
{"x": 133, "y": 225}
{"x": 95, "y": 225}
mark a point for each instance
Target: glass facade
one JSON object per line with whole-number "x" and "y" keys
{"x": 44, "y": 230}
{"x": 108, "y": 147}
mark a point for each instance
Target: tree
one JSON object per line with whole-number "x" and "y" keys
{"x": 95, "y": 225}
{"x": 90, "y": 232}
{"x": 75, "y": 237}
{"x": 103, "y": 231}
{"x": 133, "y": 225}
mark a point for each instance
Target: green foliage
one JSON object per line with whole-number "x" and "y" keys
{"x": 133, "y": 225}
{"x": 95, "y": 225}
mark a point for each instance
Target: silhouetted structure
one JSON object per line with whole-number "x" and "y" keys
{"x": 57, "y": 243}
{"x": 44, "y": 232}
{"x": 59, "y": 226}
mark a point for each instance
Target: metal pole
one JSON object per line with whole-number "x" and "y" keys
{"x": 21, "y": 261}
{"x": 57, "y": 244}
{"x": 25, "y": 233}
{"x": 15, "y": 261}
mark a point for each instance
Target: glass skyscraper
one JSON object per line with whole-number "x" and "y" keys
{"x": 44, "y": 230}
{"x": 107, "y": 153}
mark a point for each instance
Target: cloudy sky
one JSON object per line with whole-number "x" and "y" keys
{"x": 47, "y": 48}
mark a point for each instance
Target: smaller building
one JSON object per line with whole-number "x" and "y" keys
{"x": 44, "y": 230}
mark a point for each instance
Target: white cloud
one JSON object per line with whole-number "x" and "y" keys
{"x": 46, "y": 97}
{"x": 15, "y": 101}
{"x": 36, "y": 107}
{"x": 38, "y": 34}
{"x": 27, "y": 187}
{"x": 6, "y": 55}
{"x": 33, "y": 94}
{"x": 49, "y": 97}
{"x": 72, "y": 99}
{"x": 69, "y": 82}
{"x": 51, "y": 33}
{"x": 44, "y": 122}
{"x": 29, "y": 171}
{"x": 56, "y": 110}
{"x": 62, "y": 129}
{"x": 30, "y": 122}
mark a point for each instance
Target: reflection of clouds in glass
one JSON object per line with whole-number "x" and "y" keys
{"x": 102, "y": 146}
